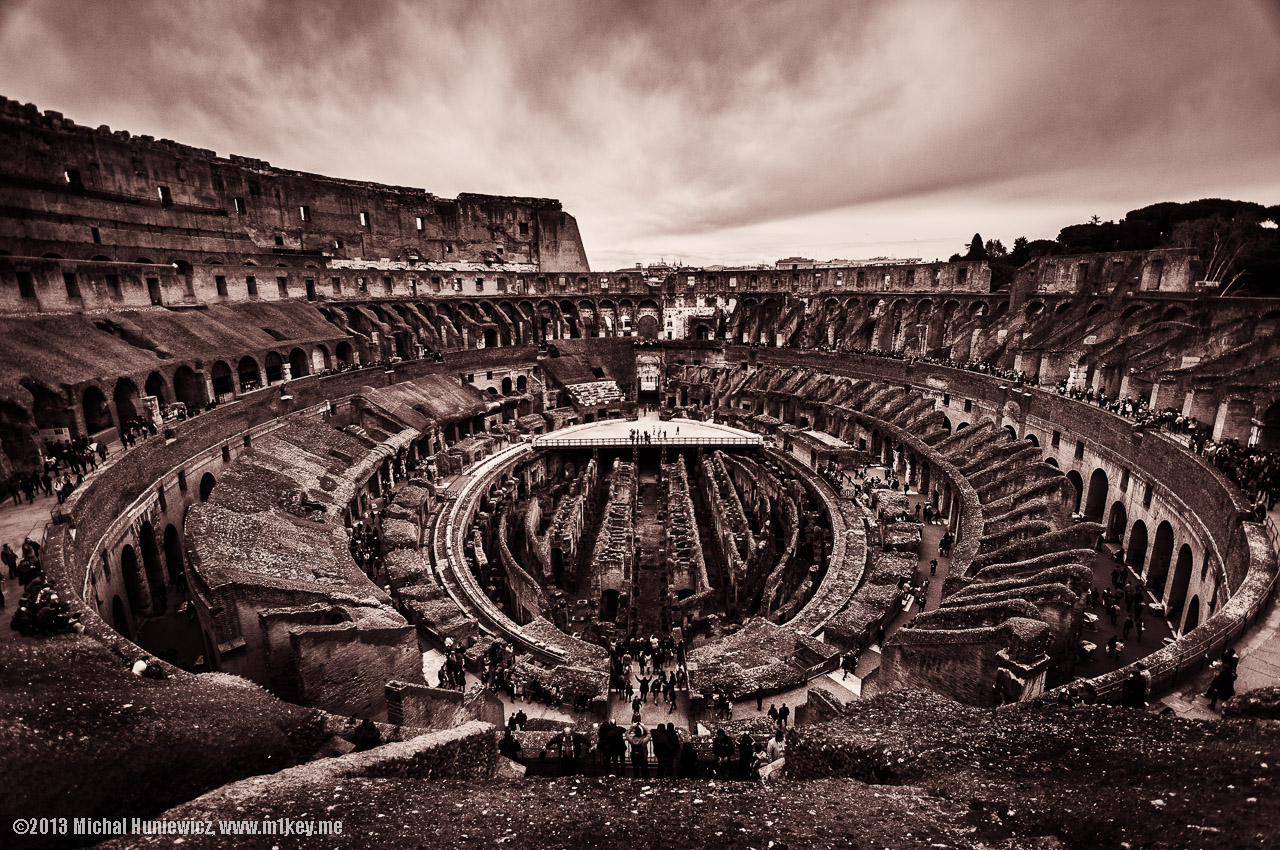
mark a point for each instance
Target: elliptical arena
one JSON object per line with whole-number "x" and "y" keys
{"x": 385, "y": 468}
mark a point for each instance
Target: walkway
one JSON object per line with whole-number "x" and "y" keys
{"x": 630, "y": 432}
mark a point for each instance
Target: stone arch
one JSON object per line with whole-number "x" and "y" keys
{"x": 249, "y": 373}
{"x": 343, "y": 353}
{"x": 1269, "y": 427}
{"x": 1096, "y": 501}
{"x": 320, "y": 360}
{"x": 490, "y": 337}
{"x": 1032, "y": 439}
{"x": 275, "y": 367}
{"x": 647, "y": 327}
{"x": 188, "y": 389}
{"x": 1161, "y": 557}
{"x": 1193, "y": 615}
{"x": 134, "y": 582}
{"x": 154, "y": 568}
{"x": 173, "y": 559}
{"x": 1012, "y": 432}
{"x": 223, "y": 381}
{"x": 126, "y": 398}
{"x": 1052, "y": 461}
{"x": 522, "y": 383}
{"x": 1077, "y": 483}
{"x": 207, "y": 483}
{"x": 299, "y": 363}
{"x": 97, "y": 416}
{"x": 1118, "y": 522}
{"x": 157, "y": 388}
{"x": 1136, "y": 555}
{"x": 507, "y": 385}
{"x": 1181, "y": 581}
{"x": 119, "y": 619}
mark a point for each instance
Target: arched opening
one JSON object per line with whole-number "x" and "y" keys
{"x": 343, "y": 353}
{"x": 1136, "y": 555}
{"x": 1096, "y": 503}
{"x": 173, "y": 554}
{"x": 506, "y": 385}
{"x": 206, "y": 486}
{"x": 702, "y": 333}
{"x": 946, "y": 425}
{"x": 249, "y": 374}
{"x": 609, "y": 605}
{"x": 490, "y": 337}
{"x": 522, "y": 383}
{"x": 1118, "y": 523}
{"x": 134, "y": 584}
{"x": 220, "y": 375}
{"x": 1181, "y": 581}
{"x": 97, "y": 416}
{"x": 1052, "y": 461}
{"x": 647, "y": 327}
{"x": 275, "y": 368}
{"x": 126, "y": 397}
{"x": 1193, "y": 615}
{"x": 1032, "y": 439}
{"x": 119, "y": 619}
{"x": 155, "y": 570}
{"x": 298, "y": 364}
{"x": 1077, "y": 484}
{"x": 1011, "y": 431}
{"x": 1269, "y": 430}
{"x": 1161, "y": 556}
{"x": 157, "y": 388}
{"x": 962, "y": 426}
{"x": 320, "y": 361}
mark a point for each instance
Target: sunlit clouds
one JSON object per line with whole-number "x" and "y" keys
{"x": 706, "y": 132}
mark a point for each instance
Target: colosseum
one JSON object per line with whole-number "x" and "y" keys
{"x": 366, "y": 506}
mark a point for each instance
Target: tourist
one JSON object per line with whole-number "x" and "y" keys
{"x": 722, "y": 748}
{"x": 746, "y": 752}
{"x": 639, "y": 741}
{"x": 783, "y": 714}
{"x": 777, "y": 748}
{"x": 509, "y": 747}
{"x": 10, "y": 560}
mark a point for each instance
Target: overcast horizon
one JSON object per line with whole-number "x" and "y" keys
{"x": 710, "y": 134}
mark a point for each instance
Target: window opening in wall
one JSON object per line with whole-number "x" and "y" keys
{"x": 165, "y": 197}
{"x": 248, "y": 441}
{"x": 282, "y": 284}
{"x": 221, "y": 282}
{"x": 479, "y": 284}
{"x": 96, "y": 234}
{"x": 1079, "y": 449}
{"x": 946, "y": 399}
{"x": 387, "y": 284}
{"x": 364, "y": 219}
{"x": 1057, "y": 439}
{"x": 419, "y": 223}
{"x": 26, "y": 286}
{"x": 337, "y": 244}
{"x": 226, "y": 454}
{"x": 502, "y": 284}
{"x": 251, "y": 284}
{"x": 153, "y": 290}
{"x": 73, "y": 178}
{"x": 457, "y": 284}
{"x": 160, "y": 498}
{"x": 968, "y": 406}
{"x": 240, "y": 207}
{"x": 1124, "y": 479}
{"x": 304, "y": 212}
{"x": 1146, "y": 496}
{"x": 337, "y": 285}
{"x": 182, "y": 481}
{"x": 435, "y": 284}
{"x": 73, "y": 285}
{"x": 448, "y": 249}
{"x": 113, "y": 285}
{"x": 279, "y": 240}
{"x": 524, "y": 228}
{"x": 311, "y": 289}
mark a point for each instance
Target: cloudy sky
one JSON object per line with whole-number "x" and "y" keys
{"x": 709, "y": 132}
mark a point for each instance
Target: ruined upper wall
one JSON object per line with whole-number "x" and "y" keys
{"x": 79, "y": 193}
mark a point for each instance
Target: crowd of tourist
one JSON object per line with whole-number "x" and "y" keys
{"x": 41, "y": 612}
{"x": 1255, "y": 471}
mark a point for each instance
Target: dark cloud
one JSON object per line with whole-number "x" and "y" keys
{"x": 712, "y": 129}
